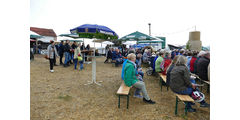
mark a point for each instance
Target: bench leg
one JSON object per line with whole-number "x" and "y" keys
{"x": 185, "y": 109}
{"x": 161, "y": 83}
{"x": 118, "y": 101}
{"x": 127, "y": 101}
{"x": 176, "y": 107}
{"x": 208, "y": 87}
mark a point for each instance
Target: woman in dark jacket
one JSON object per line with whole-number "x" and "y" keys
{"x": 180, "y": 82}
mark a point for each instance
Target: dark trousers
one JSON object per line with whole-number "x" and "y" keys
{"x": 60, "y": 59}
{"x": 107, "y": 60}
{"x": 51, "y": 63}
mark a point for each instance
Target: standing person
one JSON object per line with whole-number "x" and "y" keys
{"x": 39, "y": 48}
{"x": 130, "y": 78}
{"x": 61, "y": 51}
{"x": 88, "y": 47}
{"x": 82, "y": 47}
{"x": 77, "y": 52}
{"x": 109, "y": 55}
{"x": 202, "y": 66}
{"x": 66, "y": 53}
{"x": 34, "y": 48}
{"x": 73, "y": 46}
{"x": 181, "y": 83}
{"x": 52, "y": 52}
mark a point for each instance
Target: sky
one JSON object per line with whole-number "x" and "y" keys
{"x": 171, "y": 19}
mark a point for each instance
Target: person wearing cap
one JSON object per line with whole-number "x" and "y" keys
{"x": 52, "y": 53}
{"x": 61, "y": 51}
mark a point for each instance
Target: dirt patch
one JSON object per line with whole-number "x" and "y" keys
{"x": 62, "y": 95}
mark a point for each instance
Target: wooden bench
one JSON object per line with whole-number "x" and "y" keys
{"x": 163, "y": 78}
{"x": 123, "y": 91}
{"x": 113, "y": 62}
{"x": 183, "y": 98}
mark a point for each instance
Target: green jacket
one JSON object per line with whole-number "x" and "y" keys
{"x": 129, "y": 74}
{"x": 158, "y": 63}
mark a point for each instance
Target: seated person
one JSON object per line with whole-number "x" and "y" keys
{"x": 180, "y": 82}
{"x": 118, "y": 57}
{"x": 130, "y": 78}
{"x": 145, "y": 56}
{"x": 167, "y": 61}
{"x": 158, "y": 62}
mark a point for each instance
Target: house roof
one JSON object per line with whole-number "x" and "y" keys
{"x": 43, "y": 31}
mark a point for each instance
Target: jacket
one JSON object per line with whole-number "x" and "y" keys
{"x": 192, "y": 64}
{"x": 158, "y": 63}
{"x": 180, "y": 78}
{"x": 130, "y": 74}
{"x": 167, "y": 62}
{"x": 67, "y": 48}
{"x": 61, "y": 48}
{"x": 51, "y": 50}
{"x": 202, "y": 68}
{"x": 76, "y": 52}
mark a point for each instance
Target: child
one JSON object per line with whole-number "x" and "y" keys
{"x": 80, "y": 60}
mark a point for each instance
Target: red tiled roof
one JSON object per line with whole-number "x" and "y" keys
{"x": 43, "y": 31}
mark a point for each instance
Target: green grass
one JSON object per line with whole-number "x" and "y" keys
{"x": 65, "y": 98}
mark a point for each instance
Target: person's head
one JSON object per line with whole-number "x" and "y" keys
{"x": 61, "y": 42}
{"x": 67, "y": 41}
{"x": 182, "y": 60}
{"x": 181, "y": 51}
{"x": 131, "y": 57}
{"x": 161, "y": 53}
{"x": 190, "y": 53}
{"x": 52, "y": 42}
{"x": 201, "y": 53}
{"x": 174, "y": 61}
{"x": 168, "y": 55}
{"x": 146, "y": 50}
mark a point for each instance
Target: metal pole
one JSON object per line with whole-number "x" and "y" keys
{"x": 149, "y": 29}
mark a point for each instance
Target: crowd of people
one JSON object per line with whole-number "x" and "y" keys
{"x": 178, "y": 65}
{"x": 70, "y": 51}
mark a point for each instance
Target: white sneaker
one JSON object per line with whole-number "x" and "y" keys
{"x": 52, "y": 71}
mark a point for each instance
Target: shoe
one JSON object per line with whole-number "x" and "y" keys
{"x": 191, "y": 110}
{"x": 138, "y": 96}
{"x": 55, "y": 65}
{"x": 205, "y": 105}
{"x": 51, "y": 71}
{"x": 149, "y": 101}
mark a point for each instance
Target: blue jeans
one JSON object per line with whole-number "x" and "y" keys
{"x": 75, "y": 64}
{"x": 66, "y": 54}
{"x": 187, "y": 91}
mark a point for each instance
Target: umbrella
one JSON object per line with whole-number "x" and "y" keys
{"x": 129, "y": 43}
{"x": 94, "y": 31}
{"x": 136, "y": 36}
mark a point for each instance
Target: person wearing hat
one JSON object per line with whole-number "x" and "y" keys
{"x": 52, "y": 53}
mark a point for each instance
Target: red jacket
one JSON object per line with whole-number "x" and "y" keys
{"x": 167, "y": 62}
{"x": 192, "y": 64}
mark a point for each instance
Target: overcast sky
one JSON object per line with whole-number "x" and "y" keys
{"x": 168, "y": 18}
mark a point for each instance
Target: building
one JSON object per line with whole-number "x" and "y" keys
{"x": 47, "y": 35}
